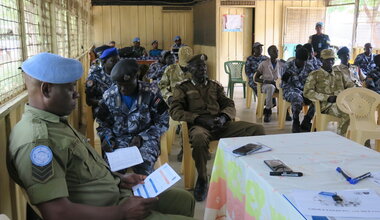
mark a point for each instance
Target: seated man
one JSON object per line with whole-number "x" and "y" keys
{"x": 312, "y": 62}
{"x": 138, "y": 50}
{"x": 324, "y": 85}
{"x": 177, "y": 45}
{"x": 348, "y": 70}
{"x": 365, "y": 60}
{"x": 132, "y": 114}
{"x": 61, "y": 173}
{"x": 175, "y": 73}
{"x": 112, "y": 43}
{"x": 155, "y": 52}
{"x": 373, "y": 77}
{"x": 293, "y": 81}
{"x": 157, "y": 69}
{"x": 203, "y": 104}
{"x": 99, "y": 79}
{"x": 253, "y": 63}
{"x": 267, "y": 74}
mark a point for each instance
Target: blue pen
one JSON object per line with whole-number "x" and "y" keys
{"x": 334, "y": 196}
{"x": 108, "y": 141}
{"x": 357, "y": 179}
{"x": 347, "y": 177}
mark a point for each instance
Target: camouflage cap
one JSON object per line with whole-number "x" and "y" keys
{"x": 328, "y": 54}
{"x": 184, "y": 55}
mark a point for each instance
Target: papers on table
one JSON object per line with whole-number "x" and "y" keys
{"x": 157, "y": 182}
{"x": 375, "y": 177}
{"x": 356, "y": 204}
{"x": 123, "y": 158}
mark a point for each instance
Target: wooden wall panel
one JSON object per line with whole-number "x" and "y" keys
{"x": 123, "y": 23}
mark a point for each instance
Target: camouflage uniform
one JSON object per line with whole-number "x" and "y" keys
{"x": 156, "y": 70}
{"x": 350, "y": 72}
{"x": 173, "y": 74}
{"x": 373, "y": 80}
{"x": 148, "y": 117}
{"x": 96, "y": 84}
{"x": 365, "y": 63}
{"x": 251, "y": 66}
{"x": 320, "y": 85}
{"x": 293, "y": 89}
{"x": 138, "y": 51}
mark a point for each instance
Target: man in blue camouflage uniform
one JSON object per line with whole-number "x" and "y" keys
{"x": 177, "y": 44}
{"x": 253, "y": 63}
{"x": 293, "y": 81}
{"x": 365, "y": 61}
{"x": 98, "y": 80}
{"x": 133, "y": 114}
{"x": 312, "y": 62}
{"x": 157, "y": 69}
{"x": 373, "y": 77}
{"x": 319, "y": 41}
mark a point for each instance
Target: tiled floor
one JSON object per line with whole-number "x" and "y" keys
{"x": 244, "y": 114}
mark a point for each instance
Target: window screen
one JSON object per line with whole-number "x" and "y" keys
{"x": 61, "y": 28}
{"x": 368, "y": 29}
{"x": 11, "y": 81}
{"x": 33, "y": 35}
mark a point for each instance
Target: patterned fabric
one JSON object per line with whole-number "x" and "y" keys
{"x": 319, "y": 43}
{"x": 351, "y": 72}
{"x": 96, "y": 84}
{"x": 156, "y": 70}
{"x": 366, "y": 64}
{"x": 320, "y": 85}
{"x": 251, "y": 66}
{"x": 148, "y": 118}
{"x": 373, "y": 80}
{"x": 313, "y": 64}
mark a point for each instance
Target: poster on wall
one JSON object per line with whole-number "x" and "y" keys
{"x": 232, "y": 23}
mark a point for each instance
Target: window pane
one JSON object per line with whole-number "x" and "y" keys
{"x": 340, "y": 2}
{"x": 339, "y": 25}
{"x": 368, "y": 30}
{"x": 11, "y": 81}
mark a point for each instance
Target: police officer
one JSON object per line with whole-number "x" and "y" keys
{"x": 373, "y": 77}
{"x": 155, "y": 52}
{"x": 175, "y": 73}
{"x": 348, "y": 70}
{"x": 292, "y": 83}
{"x": 253, "y": 63}
{"x": 133, "y": 114}
{"x": 60, "y": 172}
{"x": 365, "y": 60}
{"x": 157, "y": 69}
{"x": 138, "y": 51}
{"x": 324, "y": 85}
{"x": 177, "y": 45}
{"x": 319, "y": 41}
{"x": 312, "y": 62}
{"x": 203, "y": 104}
{"x": 99, "y": 80}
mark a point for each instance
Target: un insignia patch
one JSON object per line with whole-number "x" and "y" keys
{"x": 42, "y": 167}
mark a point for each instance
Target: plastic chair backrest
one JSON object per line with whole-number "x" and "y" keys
{"x": 234, "y": 69}
{"x": 361, "y": 104}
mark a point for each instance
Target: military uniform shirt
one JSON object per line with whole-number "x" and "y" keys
{"x": 138, "y": 51}
{"x": 321, "y": 84}
{"x": 319, "y": 42}
{"x": 365, "y": 63}
{"x": 173, "y": 74}
{"x": 191, "y": 101}
{"x": 77, "y": 171}
{"x": 351, "y": 72}
{"x": 97, "y": 83}
{"x": 373, "y": 80}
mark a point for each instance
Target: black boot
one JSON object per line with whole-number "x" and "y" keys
{"x": 288, "y": 118}
{"x": 267, "y": 114}
{"x": 296, "y": 126}
{"x": 306, "y": 124}
{"x": 200, "y": 190}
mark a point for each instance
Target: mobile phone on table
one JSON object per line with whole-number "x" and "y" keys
{"x": 277, "y": 166}
{"x": 247, "y": 149}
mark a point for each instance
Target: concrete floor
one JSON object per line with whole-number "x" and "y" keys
{"x": 243, "y": 114}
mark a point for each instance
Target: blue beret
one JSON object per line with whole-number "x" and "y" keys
{"x": 109, "y": 53}
{"x": 177, "y": 38}
{"x": 136, "y": 39}
{"x": 343, "y": 50}
{"x": 51, "y": 68}
{"x": 319, "y": 24}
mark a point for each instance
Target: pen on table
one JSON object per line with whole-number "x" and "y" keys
{"x": 347, "y": 177}
{"x": 357, "y": 179}
{"x": 286, "y": 173}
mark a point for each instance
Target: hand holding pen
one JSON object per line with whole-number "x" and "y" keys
{"x": 107, "y": 144}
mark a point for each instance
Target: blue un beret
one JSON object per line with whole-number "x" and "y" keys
{"x": 177, "y": 38}
{"x": 136, "y": 39}
{"x": 52, "y": 68}
{"x": 343, "y": 50}
{"x": 109, "y": 53}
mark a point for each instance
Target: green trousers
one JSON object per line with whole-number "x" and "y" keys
{"x": 200, "y": 138}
